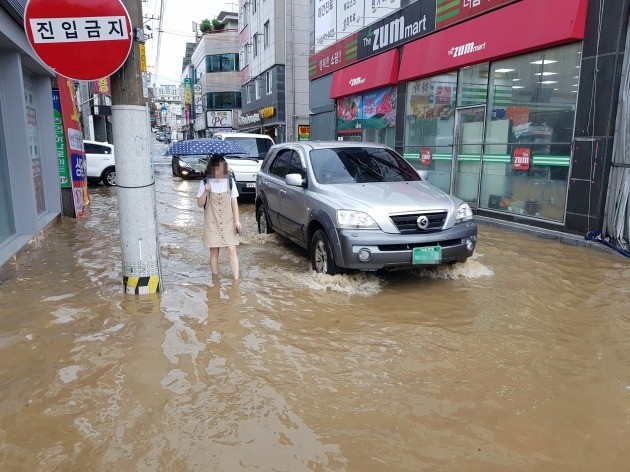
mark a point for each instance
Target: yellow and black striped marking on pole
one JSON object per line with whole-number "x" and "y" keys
{"x": 142, "y": 285}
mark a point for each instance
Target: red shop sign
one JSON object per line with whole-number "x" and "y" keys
{"x": 333, "y": 58}
{"x": 522, "y": 158}
{"x": 426, "y": 156}
{"x": 376, "y": 72}
{"x": 525, "y": 26}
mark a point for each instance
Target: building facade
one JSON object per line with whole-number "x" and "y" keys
{"x": 509, "y": 105}
{"x": 274, "y": 45}
{"x": 217, "y": 91}
{"x": 168, "y": 106}
{"x": 30, "y": 194}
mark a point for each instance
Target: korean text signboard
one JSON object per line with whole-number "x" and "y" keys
{"x": 81, "y": 40}
{"x": 74, "y": 141}
{"x": 333, "y": 58}
{"x": 219, "y": 119}
{"x": 62, "y": 152}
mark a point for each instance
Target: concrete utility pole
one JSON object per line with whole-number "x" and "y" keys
{"x": 134, "y": 174}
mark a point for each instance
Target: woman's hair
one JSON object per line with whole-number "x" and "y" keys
{"x": 215, "y": 161}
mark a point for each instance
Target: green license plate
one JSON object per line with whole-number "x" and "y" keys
{"x": 427, "y": 255}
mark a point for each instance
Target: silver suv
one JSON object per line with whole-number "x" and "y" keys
{"x": 360, "y": 206}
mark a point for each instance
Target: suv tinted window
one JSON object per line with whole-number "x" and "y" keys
{"x": 255, "y": 147}
{"x": 360, "y": 165}
{"x": 279, "y": 165}
{"x": 95, "y": 148}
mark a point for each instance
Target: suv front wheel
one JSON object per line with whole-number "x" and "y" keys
{"x": 321, "y": 254}
{"x": 109, "y": 177}
{"x": 263, "y": 221}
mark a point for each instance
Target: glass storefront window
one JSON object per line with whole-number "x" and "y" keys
{"x": 429, "y": 124}
{"x": 529, "y": 129}
{"x": 7, "y": 221}
{"x": 31, "y": 103}
{"x": 472, "y": 88}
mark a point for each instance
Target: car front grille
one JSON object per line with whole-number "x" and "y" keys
{"x": 408, "y": 224}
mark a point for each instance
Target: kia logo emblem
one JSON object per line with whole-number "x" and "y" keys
{"x": 423, "y": 222}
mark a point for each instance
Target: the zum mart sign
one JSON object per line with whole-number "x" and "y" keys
{"x": 409, "y": 23}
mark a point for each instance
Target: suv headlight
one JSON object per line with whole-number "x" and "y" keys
{"x": 355, "y": 220}
{"x": 464, "y": 213}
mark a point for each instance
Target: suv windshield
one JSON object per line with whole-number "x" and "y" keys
{"x": 360, "y": 165}
{"x": 255, "y": 147}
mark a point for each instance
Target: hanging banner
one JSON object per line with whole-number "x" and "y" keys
{"x": 74, "y": 142}
{"x": 103, "y": 86}
{"x": 62, "y": 151}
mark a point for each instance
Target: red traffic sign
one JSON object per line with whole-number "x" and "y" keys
{"x": 79, "y": 39}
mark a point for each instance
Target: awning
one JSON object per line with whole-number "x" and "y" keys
{"x": 373, "y": 73}
{"x": 525, "y": 26}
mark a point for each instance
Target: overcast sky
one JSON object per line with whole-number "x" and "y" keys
{"x": 177, "y": 31}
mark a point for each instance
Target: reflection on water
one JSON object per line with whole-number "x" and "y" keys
{"x": 516, "y": 360}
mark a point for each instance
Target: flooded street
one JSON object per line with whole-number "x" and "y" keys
{"x": 517, "y": 360}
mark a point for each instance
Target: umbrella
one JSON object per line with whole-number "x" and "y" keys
{"x": 203, "y": 147}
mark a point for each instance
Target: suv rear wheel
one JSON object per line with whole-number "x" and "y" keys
{"x": 321, "y": 254}
{"x": 109, "y": 177}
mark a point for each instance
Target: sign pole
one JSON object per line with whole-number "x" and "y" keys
{"x": 134, "y": 174}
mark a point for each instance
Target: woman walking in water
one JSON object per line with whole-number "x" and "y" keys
{"x": 218, "y": 195}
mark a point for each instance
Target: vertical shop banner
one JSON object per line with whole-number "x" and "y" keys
{"x": 350, "y": 17}
{"x": 371, "y": 110}
{"x": 62, "y": 150}
{"x": 198, "y": 99}
{"x": 74, "y": 142}
{"x": 325, "y": 23}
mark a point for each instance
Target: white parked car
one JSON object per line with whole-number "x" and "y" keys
{"x": 245, "y": 167}
{"x": 100, "y": 162}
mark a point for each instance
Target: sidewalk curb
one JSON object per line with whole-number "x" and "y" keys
{"x": 542, "y": 233}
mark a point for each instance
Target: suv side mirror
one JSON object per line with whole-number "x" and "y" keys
{"x": 424, "y": 174}
{"x": 295, "y": 180}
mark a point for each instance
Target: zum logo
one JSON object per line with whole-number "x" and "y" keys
{"x": 457, "y": 51}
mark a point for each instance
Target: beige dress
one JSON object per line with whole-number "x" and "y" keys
{"x": 218, "y": 227}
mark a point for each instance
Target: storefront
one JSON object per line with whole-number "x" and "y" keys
{"x": 496, "y": 99}
{"x": 497, "y": 134}
{"x": 30, "y": 194}
{"x": 263, "y": 121}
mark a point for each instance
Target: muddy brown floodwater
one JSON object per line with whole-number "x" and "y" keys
{"x": 517, "y": 360}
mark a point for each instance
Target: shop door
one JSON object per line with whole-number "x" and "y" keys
{"x": 469, "y": 132}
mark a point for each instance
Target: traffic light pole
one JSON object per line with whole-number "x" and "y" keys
{"x": 134, "y": 174}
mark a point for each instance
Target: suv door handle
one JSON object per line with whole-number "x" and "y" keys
{"x": 283, "y": 192}
{"x": 264, "y": 182}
